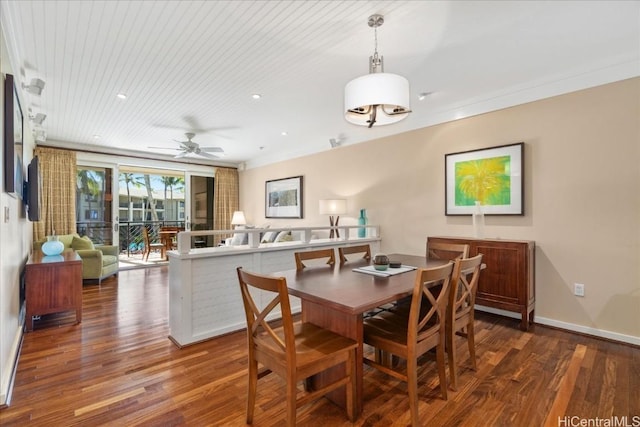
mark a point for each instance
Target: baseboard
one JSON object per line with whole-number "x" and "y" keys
{"x": 614, "y": 336}
{"x": 5, "y": 395}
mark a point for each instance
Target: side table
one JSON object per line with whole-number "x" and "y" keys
{"x": 53, "y": 284}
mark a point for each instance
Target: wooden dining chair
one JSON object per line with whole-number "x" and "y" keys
{"x": 460, "y": 311}
{"x": 365, "y": 250}
{"x": 317, "y": 254}
{"x": 149, "y": 246}
{"x": 448, "y": 251}
{"x": 294, "y": 351}
{"x": 410, "y": 335}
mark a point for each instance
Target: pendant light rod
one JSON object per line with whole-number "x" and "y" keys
{"x": 376, "y": 64}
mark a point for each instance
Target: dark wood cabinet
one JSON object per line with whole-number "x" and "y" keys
{"x": 53, "y": 284}
{"x": 508, "y": 281}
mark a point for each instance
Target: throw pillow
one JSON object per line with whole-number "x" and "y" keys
{"x": 269, "y": 236}
{"x": 237, "y": 239}
{"x": 81, "y": 243}
{"x": 241, "y": 238}
{"x": 284, "y": 236}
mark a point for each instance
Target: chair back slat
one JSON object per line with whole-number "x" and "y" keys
{"x": 317, "y": 254}
{"x": 422, "y": 319}
{"x": 365, "y": 250}
{"x": 448, "y": 251}
{"x": 464, "y": 286}
{"x": 257, "y": 318}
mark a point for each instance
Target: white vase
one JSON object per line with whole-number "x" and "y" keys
{"x": 478, "y": 221}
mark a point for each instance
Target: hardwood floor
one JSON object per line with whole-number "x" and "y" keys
{"x": 118, "y": 368}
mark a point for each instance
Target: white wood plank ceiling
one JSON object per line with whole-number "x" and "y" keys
{"x": 192, "y": 66}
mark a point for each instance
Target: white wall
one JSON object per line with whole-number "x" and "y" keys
{"x": 15, "y": 243}
{"x": 582, "y": 197}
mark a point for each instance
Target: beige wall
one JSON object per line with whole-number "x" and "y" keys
{"x": 582, "y": 197}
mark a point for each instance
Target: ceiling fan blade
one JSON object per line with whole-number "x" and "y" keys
{"x": 164, "y": 148}
{"x": 207, "y": 155}
{"x": 180, "y": 155}
{"x": 212, "y": 149}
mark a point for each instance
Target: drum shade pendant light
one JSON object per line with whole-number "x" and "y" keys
{"x": 377, "y": 98}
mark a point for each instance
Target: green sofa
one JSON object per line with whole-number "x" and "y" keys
{"x": 98, "y": 262}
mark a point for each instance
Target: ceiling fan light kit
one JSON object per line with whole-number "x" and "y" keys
{"x": 189, "y": 147}
{"x": 378, "y": 98}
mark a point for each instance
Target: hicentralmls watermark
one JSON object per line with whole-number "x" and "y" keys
{"x": 615, "y": 421}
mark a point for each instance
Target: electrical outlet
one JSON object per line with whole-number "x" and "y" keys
{"x": 578, "y": 289}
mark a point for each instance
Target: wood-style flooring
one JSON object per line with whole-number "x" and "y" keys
{"x": 118, "y": 368}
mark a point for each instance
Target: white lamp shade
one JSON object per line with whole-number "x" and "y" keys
{"x": 389, "y": 91}
{"x": 238, "y": 218}
{"x": 333, "y": 207}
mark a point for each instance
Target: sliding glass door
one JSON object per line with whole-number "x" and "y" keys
{"x": 94, "y": 197}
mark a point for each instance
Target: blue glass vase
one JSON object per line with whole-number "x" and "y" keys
{"x": 52, "y": 246}
{"x": 362, "y": 220}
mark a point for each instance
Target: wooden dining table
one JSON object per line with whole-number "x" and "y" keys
{"x": 167, "y": 237}
{"x": 336, "y": 298}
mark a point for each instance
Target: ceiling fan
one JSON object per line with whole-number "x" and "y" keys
{"x": 190, "y": 147}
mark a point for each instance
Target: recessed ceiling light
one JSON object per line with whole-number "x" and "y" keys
{"x": 256, "y": 96}
{"x": 96, "y": 136}
{"x": 122, "y": 95}
{"x": 423, "y": 95}
{"x": 284, "y": 133}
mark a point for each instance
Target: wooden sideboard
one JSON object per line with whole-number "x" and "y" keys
{"x": 508, "y": 281}
{"x": 53, "y": 284}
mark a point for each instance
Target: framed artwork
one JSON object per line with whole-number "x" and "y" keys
{"x": 13, "y": 142}
{"x": 493, "y": 176}
{"x": 283, "y": 198}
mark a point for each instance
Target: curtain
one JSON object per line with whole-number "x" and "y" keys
{"x": 225, "y": 200}
{"x": 58, "y": 210}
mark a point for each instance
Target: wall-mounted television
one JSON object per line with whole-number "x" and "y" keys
{"x": 32, "y": 193}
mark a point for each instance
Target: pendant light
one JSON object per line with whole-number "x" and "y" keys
{"x": 378, "y": 98}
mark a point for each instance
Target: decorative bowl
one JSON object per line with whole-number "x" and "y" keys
{"x": 380, "y": 262}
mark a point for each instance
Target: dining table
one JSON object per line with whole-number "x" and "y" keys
{"x": 168, "y": 237}
{"x": 336, "y": 298}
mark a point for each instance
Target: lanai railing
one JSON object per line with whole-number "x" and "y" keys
{"x": 129, "y": 234}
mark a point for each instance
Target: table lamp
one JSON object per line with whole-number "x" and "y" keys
{"x": 238, "y": 219}
{"x": 334, "y": 208}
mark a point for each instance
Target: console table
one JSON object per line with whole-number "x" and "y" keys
{"x": 53, "y": 284}
{"x": 508, "y": 281}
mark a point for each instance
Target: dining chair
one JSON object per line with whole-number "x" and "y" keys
{"x": 461, "y": 311}
{"x": 317, "y": 254}
{"x": 410, "y": 335}
{"x": 294, "y": 351}
{"x": 448, "y": 251}
{"x": 365, "y": 250}
{"x": 149, "y": 246}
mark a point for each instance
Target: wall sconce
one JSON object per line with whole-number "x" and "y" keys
{"x": 37, "y": 118}
{"x": 40, "y": 136}
{"x": 238, "y": 219}
{"x": 333, "y": 207}
{"x": 35, "y": 87}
